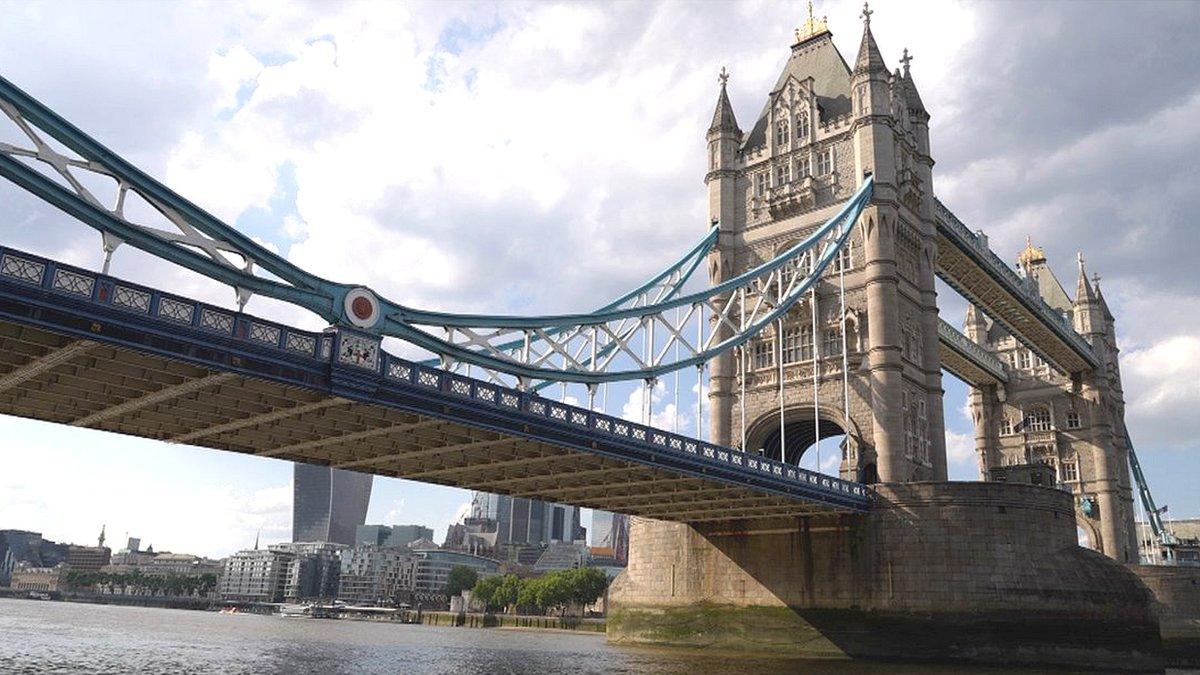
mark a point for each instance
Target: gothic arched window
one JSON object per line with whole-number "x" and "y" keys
{"x": 782, "y": 133}
{"x": 802, "y": 127}
{"x": 1037, "y": 419}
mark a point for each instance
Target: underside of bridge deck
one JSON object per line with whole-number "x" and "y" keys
{"x": 48, "y": 376}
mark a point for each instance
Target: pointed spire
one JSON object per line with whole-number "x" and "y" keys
{"x": 1100, "y": 298}
{"x": 101, "y": 544}
{"x": 723, "y": 118}
{"x": 256, "y": 536}
{"x": 1083, "y": 290}
{"x": 869, "y": 59}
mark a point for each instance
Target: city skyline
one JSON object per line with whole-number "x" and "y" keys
{"x": 232, "y": 137}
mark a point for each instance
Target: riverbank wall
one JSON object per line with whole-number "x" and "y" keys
{"x": 478, "y": 620}
{"x": 971, "y": 572}
{"x": 1177, "y": 597}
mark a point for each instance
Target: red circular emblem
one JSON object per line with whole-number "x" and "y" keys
{"x": 362, "y": 308}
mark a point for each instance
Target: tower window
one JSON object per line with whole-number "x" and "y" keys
{"x": 1070, "y": 471}
{"x": 802, "y": 128}
{"x": 760, "y": 183}
{"x": 782, "y": 134}
{"x": 791, "y": 344}
{"x": 802, "y": 170}
{"x": 842, "y": 260}
{"x": 1072, "y": 419}
{"x": 783, "y": 174}
{"x": 825, "y": 162}
{"x": 833, "y": 342}
{"x": 1038, "y": 419}
{"x": 1006, "y": 426}
{"x": 763, "y": 354}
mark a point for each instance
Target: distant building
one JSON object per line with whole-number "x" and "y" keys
{"x": 30, "y": 549}
{"x": 328, "y": 504}
{"x": 474, "y": 535}
{"x": 611, "y": 531}
{"x": 44, "y": 579}
{"x": 88, "y": 558}
{"x": 315, "y": 570}
{"x": 1185, "y": 550}
{"x": 395, "y": 536}
{"x": 563, "y": 556}
{"x": 429, "y": 570}
{"x": 256, "y": 576}
{"x": 370, "y": 575}
{"x": 527, "y": 523}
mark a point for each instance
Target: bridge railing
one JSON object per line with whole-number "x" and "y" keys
{"x": 982, "y": 357}
{"x": 613, "y": 428}
{"x": 968, "y": 240}
{"x": 153, "y": 310}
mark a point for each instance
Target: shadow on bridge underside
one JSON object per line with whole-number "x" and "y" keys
{"x": 86, "y": 383}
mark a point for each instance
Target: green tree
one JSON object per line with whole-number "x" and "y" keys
{"x": 485, "y": 591}
{"x": 587, "y": 585}
{"x": 529, "y": 594}
{"x": 461, "y": 578}
{"x": 508, "y": 595}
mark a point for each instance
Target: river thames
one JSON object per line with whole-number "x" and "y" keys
{"x": 59, "y": 637}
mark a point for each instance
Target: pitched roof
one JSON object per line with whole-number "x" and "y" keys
{"x": 869, "y": 59}
{"x": 723, "y": 118}
{"x": 818, "y": 58}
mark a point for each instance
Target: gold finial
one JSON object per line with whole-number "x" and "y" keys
{"x": 723, "y": 77}
{"x": 1031, "y": 254}
{"x": 812, "y": 26}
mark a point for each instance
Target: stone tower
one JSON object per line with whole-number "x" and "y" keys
{"x": 1074, "y": 424}
{"x": 824, "y": 127}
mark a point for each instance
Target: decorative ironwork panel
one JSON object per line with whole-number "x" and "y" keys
{"x": 399, "y": 371}
{"x": 222, "y": 323}
{"x": 305, "y": 344}
{"x": 20, "y": 268}
{"x": 175, "y": 310}
{"x": 260, "y": 332}
{"x": 429, "y": 379}
{"x": 70, "y": 282}
{"x": 460, "y": 387}
{"x": 131, "y": 298}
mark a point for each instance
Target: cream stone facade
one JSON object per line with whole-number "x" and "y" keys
{"x": 1075, "y": 424}
{"x": 825, "y": 126}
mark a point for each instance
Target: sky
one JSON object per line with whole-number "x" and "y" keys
{"x": 540, "y": 157}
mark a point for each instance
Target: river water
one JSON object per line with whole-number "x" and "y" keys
{"x": 59, "y": 637}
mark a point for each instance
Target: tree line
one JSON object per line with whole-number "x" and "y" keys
{"x": 553, "y": 592}
{"x": 138, "y": 583}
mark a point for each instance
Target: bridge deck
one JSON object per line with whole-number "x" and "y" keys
{"x": 971, "y": 268}
{"x": 92, "y": 351}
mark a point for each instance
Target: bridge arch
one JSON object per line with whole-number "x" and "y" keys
{"x": 801, "y": 434}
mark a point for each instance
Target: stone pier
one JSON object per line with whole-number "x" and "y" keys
{"x": 981, "y": 572}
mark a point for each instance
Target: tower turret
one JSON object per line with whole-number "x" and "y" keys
{"x": 724, "y": 136}
{"x": 1087, "y": 313}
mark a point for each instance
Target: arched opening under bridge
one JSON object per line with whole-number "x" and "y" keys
{"x": 800, "y": 434}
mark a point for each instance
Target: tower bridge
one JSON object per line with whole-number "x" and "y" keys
{"x": 821, "y": 320}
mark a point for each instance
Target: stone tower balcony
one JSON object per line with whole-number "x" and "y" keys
{"x": 793, "y": 197}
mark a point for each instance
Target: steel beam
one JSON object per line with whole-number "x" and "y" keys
{"x": 257, "y": 420}
{"x": 154, "y": 398}
{"x": 44, "y": 363}
{"x": 350, "y": 438}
